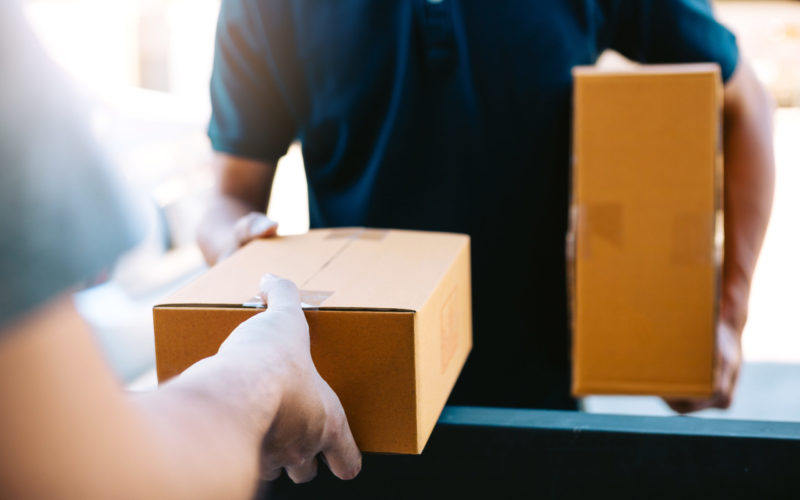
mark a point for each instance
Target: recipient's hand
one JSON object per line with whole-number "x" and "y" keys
{"x": 271, "y": 350}
{"x": 727, "y": 364}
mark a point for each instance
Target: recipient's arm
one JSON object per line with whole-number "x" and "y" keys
{"x": 68, "y": 431}
{"x": 236, "y": 213}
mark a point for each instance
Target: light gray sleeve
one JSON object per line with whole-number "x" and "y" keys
{"x": 64, "y": 217}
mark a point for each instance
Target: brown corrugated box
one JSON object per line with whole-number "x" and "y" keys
{"x": 646, "y": 229}
{"x": 389, "y": 315}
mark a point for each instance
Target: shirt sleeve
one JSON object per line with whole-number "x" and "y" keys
{"x": 672, "y": 31}
{"x": 64, "y": 217}
{"x": 251, "y": 115}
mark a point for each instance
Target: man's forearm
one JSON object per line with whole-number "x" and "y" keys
{"x": 749, "y": 186}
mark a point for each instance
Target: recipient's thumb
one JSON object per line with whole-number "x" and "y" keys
{"x": 279, "y": 293}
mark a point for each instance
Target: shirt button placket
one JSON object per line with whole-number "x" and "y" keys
{"x": 438, "y": 34}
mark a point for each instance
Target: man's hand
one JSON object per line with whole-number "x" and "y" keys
{"x": 271, "y": 351}
{"x": 727, "y": 362}
{"x": 235, "y": 214}
{"x": 248, "y": 228}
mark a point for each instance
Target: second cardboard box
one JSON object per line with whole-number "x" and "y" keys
{"x": 646, "y": 229}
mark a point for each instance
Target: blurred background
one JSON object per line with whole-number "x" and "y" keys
{"x": 149, "y": 83}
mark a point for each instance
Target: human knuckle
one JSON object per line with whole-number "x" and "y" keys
{"x": 336, "y": 429}
{"x": 269, "y": 470}
{"x": 309, "y": 449}
{"x": 292, "y": 460}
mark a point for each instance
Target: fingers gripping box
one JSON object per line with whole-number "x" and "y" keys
{"x": 389, "y": 315}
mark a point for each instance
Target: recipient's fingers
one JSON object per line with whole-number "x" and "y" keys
{"x": 279, "y": 293}
{"x": 270, "y": 473}
{"x": 343, "y": 457}
{"x": 341, "y": 453}
{"x": 303, "y": 473}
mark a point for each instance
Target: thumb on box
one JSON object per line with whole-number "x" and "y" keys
{"x": 279, "y": 293}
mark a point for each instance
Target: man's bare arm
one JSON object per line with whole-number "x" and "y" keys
{"x": 237, "y": 211}
{"x": 749, "y": 186}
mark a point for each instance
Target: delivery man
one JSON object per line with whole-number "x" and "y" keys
{"x": 67, "y": 430}
{"x": 454, "y": 115}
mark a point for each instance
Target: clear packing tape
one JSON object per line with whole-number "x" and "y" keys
{"x": 358, "y": 234}
{"x": 696, "y": 238}
{"x": 311, "y": 299}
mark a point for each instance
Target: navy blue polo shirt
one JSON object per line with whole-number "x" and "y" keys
{"x": 449, "y": 116}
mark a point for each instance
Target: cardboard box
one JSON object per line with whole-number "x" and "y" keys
{"x": 646, "y": 229}
{"x": 389, "y": 315}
